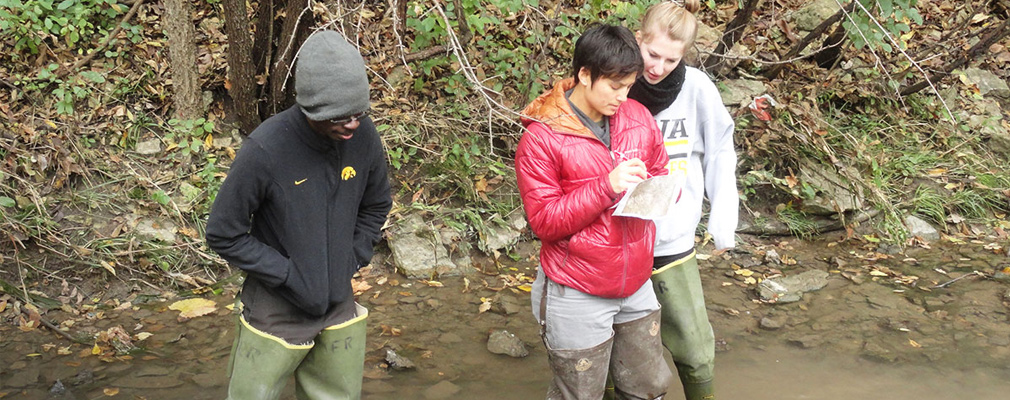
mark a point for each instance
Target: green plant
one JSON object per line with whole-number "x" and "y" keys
{"x": 874, "y": 20}
{"x": 189, "y": 136}
{"x": 799, "y": 224}
{"x": 30, "y": 23}
{"x": 929, "y": 204}
{"x": 971, "y": 204}
{"x": 400, "y": 156}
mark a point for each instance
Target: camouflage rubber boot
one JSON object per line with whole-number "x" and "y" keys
{"x": 636, "y": 362}
{"x": 579, "y": 374}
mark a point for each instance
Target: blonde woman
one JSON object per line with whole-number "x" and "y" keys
{"x": 698, "y": 135}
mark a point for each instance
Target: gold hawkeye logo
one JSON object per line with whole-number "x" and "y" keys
{"x": 347, "y": 173}
{"x": 301, "y": 181}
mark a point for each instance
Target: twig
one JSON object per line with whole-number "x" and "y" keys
{"x": 945, "y": 284}
{"x": 87, "y": 59}
{"x": 53, "y": 328}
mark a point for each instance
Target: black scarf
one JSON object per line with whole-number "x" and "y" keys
{"x": 659, "y": 96}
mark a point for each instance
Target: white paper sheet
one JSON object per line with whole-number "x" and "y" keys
{"x": 651, "y": 199}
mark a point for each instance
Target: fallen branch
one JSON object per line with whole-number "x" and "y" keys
{"x": 54, "y": 328}
{"x": 809, "y": 38}
{"x": 995, "y": 35}
{"x": 733, "y": 33}
{"x": 425, "y": 54}
{"x": 773, "y": 227}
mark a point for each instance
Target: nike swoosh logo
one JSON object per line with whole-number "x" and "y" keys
{"x": 301, "y": 181}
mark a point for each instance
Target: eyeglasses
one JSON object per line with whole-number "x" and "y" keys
{"x": 352, "y": 118}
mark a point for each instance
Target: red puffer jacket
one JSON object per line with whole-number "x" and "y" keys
{"x": 562, "y": 171}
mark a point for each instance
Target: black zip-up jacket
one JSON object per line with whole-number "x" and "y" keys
{"x": 299, "y": 212}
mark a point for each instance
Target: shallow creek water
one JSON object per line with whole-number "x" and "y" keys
{"x": 876, "y": 339}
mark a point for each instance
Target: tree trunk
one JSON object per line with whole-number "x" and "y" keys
{"x": 182, "y": 59}
{"x": 293, "y": 34}
{"x": 243, "y": 105}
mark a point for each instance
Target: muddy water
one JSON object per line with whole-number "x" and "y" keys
{"x": 865, "y": 336}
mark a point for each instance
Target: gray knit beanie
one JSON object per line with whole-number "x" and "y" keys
{"x": 330, "y": 79}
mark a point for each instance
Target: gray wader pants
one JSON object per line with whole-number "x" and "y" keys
{"x": 588, "y": 337}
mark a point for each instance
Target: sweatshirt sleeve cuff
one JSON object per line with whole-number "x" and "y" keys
{"x": 724, "y": 241}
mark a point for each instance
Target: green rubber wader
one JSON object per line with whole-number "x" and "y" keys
{"x": 686, "y": 330}
{"x": 334, "y": 367}
{"x": 261, "y": 364}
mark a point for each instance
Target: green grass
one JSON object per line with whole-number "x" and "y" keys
{"x": 799, "y": 224}
{"x": 929, "y": 205}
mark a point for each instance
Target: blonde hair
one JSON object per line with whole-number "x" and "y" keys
{"x": 676, "y": 18}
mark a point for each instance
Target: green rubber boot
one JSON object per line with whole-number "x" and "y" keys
{"x": 261, "y": 364}
{"x": 333, "y": 369}
{"x": 686, "y": 330}
{"x": 699, "y": 391}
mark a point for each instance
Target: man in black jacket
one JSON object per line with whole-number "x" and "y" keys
{"x": 300, "y": 212}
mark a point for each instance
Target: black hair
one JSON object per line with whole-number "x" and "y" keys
{"x": 609, "y": 51}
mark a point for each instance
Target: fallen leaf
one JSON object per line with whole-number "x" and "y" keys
{"x": 195, "y": 307}
{"x": 914, "y": 343}
{"x": 391, "y": 331}
{"x": 359, "y": 286}
{"x": 96, "y": 350}
{"x": 108, "y": 267}
{"x": 110, "y": 391}
{"x": 143, "y": 335}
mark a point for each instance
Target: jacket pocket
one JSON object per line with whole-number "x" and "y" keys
{"x": 308, "y": 293}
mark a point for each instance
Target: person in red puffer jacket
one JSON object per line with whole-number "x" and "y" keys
{"x": 584, "y": 145}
